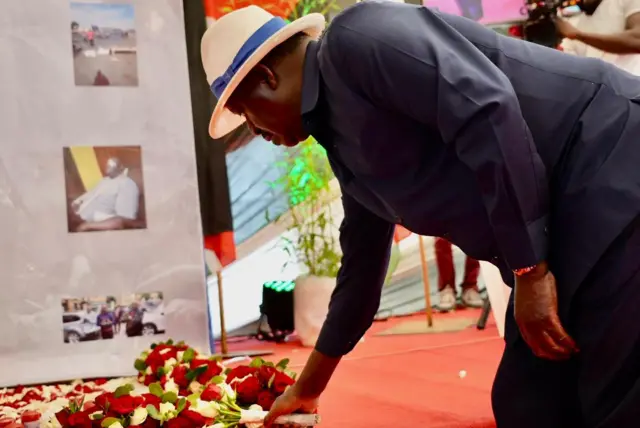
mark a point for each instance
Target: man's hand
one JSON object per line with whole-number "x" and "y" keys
{"x": 566, "y": 29}
{"x": 290, "y": 402}
{"x": 536, "y": 313}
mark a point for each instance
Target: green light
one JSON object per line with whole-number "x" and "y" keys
{"x": 280, "y": 286}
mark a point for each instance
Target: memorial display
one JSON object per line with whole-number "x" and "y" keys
{"x": 119, "y": 163}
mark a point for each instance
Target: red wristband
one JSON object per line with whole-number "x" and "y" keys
{"x": 523, "y": 271}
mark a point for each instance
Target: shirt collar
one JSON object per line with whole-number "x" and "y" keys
{"x": 310, "y": 79}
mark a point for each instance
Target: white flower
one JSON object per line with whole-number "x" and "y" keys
{"x": 206, "y": 408}
{"x": 139, "y": 416}
{"x": 195, "y": 386}
{"x": 170, "y": 363}
{"x": 166, "y": 409}
{"x": 116, "y": 425}
{"x": 179, "y": 355}
{"x": 170, "y": 386}
{"x": 227, "y": 390}
{"x": 220, "y": 425}
{"x": 148, "y": 371}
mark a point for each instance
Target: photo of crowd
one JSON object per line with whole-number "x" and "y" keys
{"x": 101, "y": 318}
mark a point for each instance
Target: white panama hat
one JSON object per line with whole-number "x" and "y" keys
{"x": 235, "y": 44}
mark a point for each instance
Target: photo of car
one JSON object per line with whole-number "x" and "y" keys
{"x": 78, "y": 328}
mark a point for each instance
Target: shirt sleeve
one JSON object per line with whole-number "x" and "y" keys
{"x": 127, "y": 200}
{"x": 366, "y": 244}
{"x": 408, "y": 60}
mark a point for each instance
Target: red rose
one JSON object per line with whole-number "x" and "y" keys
{"x": 102, "y": 399}
{"x": 152, "y": 400}
{"x": 213, "y": 369}
{"x": 90, "y": 406}
{"x": 179, "y": 374}
{"x": 149, "y": 379}
{"x": 265, "y": 373}
{"x": 154, "y": 361}
{"x": 100, "y": 381}
{"x": 248, "y": 390}
{"x": 240, "y": 372}
{"x": 281, "y": 382}
{"x": 194, "y": 417}
{"x": 211, "y": 393}
{"x": 30, "y": 416}
{"x": 195, "y": 363}
{"x": 266, "y": 399}
{"x": 79, "y": 420}
{"x": 180, "y": 422}
{"x": 125, "y": 404}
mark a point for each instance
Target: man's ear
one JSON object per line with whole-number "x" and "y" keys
{"x": 267, "y": 76}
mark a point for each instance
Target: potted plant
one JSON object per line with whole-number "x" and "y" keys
{"x": 313, "y": 239}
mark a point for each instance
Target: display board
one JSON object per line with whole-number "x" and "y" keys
{"x": 483, "y": 11}
{"x": 99, "y": 213}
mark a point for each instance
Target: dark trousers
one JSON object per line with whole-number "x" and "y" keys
{"x": 446, "y": 268}
{"x": 600, "y": 387}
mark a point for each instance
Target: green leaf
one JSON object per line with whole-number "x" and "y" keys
{"x": 257, "y": 362}
{"x": 227, "y": 371}
{"x": 182, "y": 403}
{"x": 140, "y": 365}
{"x": 153, "y": 345}
{"x": 123, "y": 390}
{"x": 192, "y": 374}
{"x": 273, "y": 377}
{"x": 107, "y": 422}
{"x": 153, "y": 412}
{"x": 169, "y": 342}
{"x": 217, "y": 380}
{"x": 188, "y": 355}
{"x": 156, "y": 389}
{"x": 96, "y": 416}
{"x": 282, "y": 364}
{"x": 169, "y": 397}
{"x": 160, "y": 372}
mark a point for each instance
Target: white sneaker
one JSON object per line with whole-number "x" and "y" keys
{"x": 447, "y": 300}
{"x": 471, "y": 298}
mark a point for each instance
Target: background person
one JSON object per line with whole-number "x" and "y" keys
{"x": 447, "y": 278}
{"x": 608, "y": 30}
{"x": 106, "y": 321}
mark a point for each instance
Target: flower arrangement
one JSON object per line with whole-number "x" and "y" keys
{"x": 176, "y": 387}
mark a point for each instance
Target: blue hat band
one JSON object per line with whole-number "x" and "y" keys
{"x": 256, "y": 40}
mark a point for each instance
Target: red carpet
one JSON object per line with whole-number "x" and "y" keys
{"x": 414, "y": 380}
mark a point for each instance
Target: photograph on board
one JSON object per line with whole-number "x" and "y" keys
{"x": 108, "y": 317}
{"x": 104, "y": 188}
{"x": 103, "y": 40}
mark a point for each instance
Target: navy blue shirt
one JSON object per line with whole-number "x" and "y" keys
{"x": 437, "y": 123}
